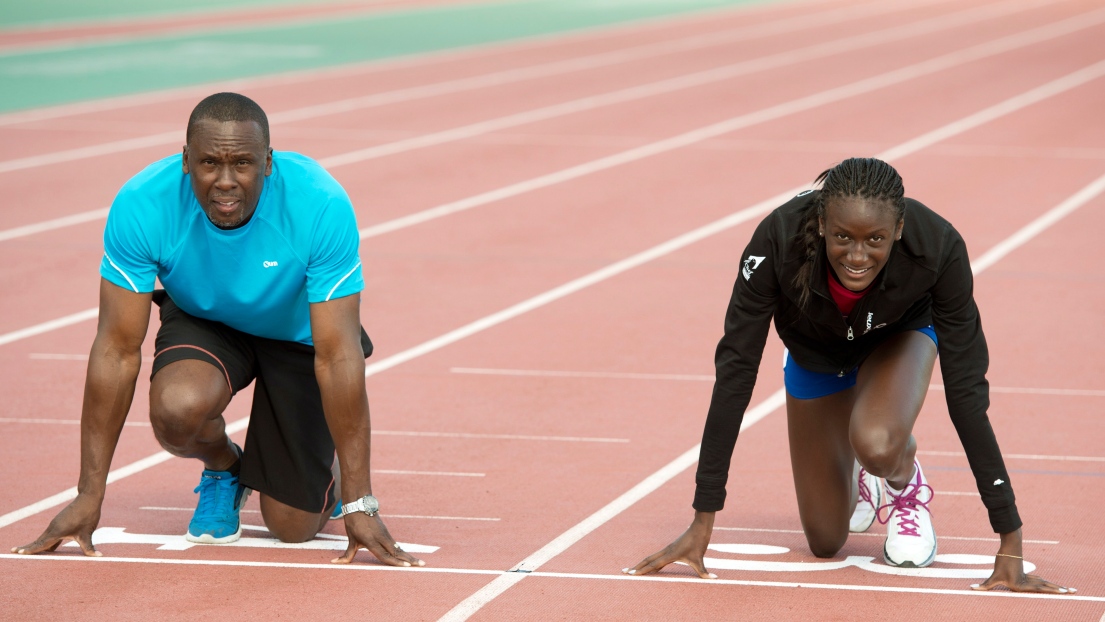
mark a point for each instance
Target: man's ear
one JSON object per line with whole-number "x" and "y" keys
{"x": 184, "y": 160}
{"x": 268, "y": 162}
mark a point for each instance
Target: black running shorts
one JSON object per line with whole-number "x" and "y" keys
{"x": 289, "y": 451}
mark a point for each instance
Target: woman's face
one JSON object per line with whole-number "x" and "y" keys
{"x": 859, "y": 234}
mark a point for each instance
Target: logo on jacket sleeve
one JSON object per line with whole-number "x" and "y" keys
{"x": 751, "y": 264}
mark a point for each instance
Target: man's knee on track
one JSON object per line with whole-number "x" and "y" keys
{"x": 292, "y": 531}
{"x": 179, "y": 411}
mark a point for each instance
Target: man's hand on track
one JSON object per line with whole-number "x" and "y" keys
{"x": 369, "y": 532}
{"x": 76, "y": 522}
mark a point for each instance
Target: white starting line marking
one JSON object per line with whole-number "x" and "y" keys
{"x": 553, "y": 575}
{"x": 879, "y": 535}
{"x": 119, "y": 535}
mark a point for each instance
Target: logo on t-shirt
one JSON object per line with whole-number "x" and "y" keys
{"x": 270, "y": 264}
{"x": 751, "y": 264}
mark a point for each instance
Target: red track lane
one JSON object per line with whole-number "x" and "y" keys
{"x": 661, "y": 318}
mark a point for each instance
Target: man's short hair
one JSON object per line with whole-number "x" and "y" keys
{"x": 228, "y": 107}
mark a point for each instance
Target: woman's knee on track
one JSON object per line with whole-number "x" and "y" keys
{"x": 826, "y": 542}
{"x": 880, "y": 451}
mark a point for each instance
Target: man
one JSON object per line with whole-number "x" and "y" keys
{"x": 258, "y": 255}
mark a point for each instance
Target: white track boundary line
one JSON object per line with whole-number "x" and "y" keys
{"x": 299, "y": 77}
{"x": 523, "y": 118}
{"x": 923, "y": 68}
{"x": 545, "y": 575}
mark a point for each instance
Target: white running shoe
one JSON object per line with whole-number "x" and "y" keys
{"x": 867, "y": 505}
{"x": 910, "y": 538}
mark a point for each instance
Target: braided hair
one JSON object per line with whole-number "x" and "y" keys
{"x": 868, "y": 178}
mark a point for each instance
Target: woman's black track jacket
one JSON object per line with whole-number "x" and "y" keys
{"x": 926, "y": 280}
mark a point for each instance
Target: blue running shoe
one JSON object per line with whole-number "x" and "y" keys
{"x": 336, "y": 514}
{"x": 216, "y": 519}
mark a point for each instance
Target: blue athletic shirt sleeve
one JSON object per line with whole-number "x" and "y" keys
{"x": 129, "y": 260}
{"x": 334, "y": 265}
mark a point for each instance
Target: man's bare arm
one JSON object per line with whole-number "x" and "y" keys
{"x": 113, "y": 366}
{"x": 340, "y": 367}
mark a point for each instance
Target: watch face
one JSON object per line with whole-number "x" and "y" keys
{"x": 371, "y": 505}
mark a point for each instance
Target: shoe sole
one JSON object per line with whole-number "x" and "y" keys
{"x": 909, "y": 564}
{"x": 206, "y": 538}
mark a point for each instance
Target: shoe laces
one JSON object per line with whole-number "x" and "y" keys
{"x": 905, "y": 506}
{"x": 213, "y": 489}
{"x": 864, "y": 488}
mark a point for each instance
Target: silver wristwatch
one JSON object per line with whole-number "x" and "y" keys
{"x": 367, "y": 504}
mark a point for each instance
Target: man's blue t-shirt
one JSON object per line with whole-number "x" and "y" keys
{"x": 299, "y": 247}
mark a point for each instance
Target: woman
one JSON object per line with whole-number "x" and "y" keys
{"x": 865, "y": 286}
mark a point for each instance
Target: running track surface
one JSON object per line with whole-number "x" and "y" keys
{"x": 512, "y": 444}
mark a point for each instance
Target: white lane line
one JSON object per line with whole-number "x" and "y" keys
{"x": 559, "y": 39}
{"x": 1033, "y": 228}
{"x": 455, "y": 86}
{"x": 135, "y": 424}
{"x": 549, "y": 575}
{"x": 960, "y": 454}
{"x": 500, "y": 123}
{"x": 734, "y": 219}
{"x": 472, "y": 604}
{"x": 51, "y": 325}
{"x": 56, "y": 223}
{"x": 880, "y": 535}
{"x": 113, "y": 476}
{"x": 40, "y": 356}
{"x": 504, "y": 437}
{"x": 1036, "y": 391}
{"x": 578, "y": 374}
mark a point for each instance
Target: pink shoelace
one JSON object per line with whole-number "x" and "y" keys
{"x": 905, "y": 505}
{"x": 864, "y": 489}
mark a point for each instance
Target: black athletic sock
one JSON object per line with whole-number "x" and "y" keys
{"x": 236, "y": 468}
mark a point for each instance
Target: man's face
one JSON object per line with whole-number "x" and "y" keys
{"x": 228, "y": 162}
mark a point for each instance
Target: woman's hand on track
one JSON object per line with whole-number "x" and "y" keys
{"x": 689, "y": 548}
{"x": 1009, "y": 571}
{"x": 369, "y": 532}
{"x": 76, "y": 522}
